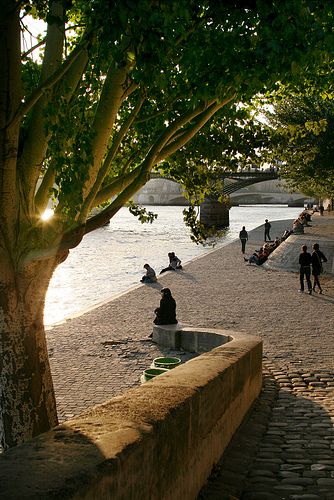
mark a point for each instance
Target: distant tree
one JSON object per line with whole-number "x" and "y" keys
{"x": 302, "y": 136}
{"x": 121, "y": 86}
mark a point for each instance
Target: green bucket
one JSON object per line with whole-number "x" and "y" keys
{"x": 150, "y": 373}
{"x": 166, "y": 362}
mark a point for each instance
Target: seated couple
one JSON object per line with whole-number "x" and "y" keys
{"x": 150, "y": 276}
{"x": 174, "y": 263}
{"x": 259, "y": 256}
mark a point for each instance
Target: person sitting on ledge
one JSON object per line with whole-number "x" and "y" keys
{"x": 258, "y": 257}
{"x": 286, "y": 234}
{"x": 150, "y": 276}
{"x": 166, "y": 313}
{"x": 174, "y": 263}
{"x": 277, "y": 242}
{"x": 297, "y": 227}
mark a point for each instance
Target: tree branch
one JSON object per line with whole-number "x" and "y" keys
{"x": 25, "y": 107}
{"x": 26, "y": 54}
{"x": 116, "y": 186}
{"x": 105, "y": 117}
{"x": 178, "y": 141}
{"x": 36, "y": 142}
{"x": 173, "y": 128}
{"x": 129, "y": 90}
{"x": 158, "y": 113}
{"x": 72, "y": 238}
{"x": 105, "y": 215}
{"x": 43, "y": 193}
{"x": 117, "y": 139}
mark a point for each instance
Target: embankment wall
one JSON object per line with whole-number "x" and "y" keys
{"x": 158, "y": 441}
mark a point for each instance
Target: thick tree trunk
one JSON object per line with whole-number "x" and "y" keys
{"x": 27, "y": 402}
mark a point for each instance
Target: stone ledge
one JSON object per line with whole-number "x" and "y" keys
{"x": 189, "y": 338}
{"x": 159, "y": 440}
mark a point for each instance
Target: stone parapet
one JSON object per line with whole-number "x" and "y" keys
{"x": 189, "y": 338}
{"x": 157, "y": 441}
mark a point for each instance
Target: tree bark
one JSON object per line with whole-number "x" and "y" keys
{"x": 27, "y": 402}
{"x": 10, "y": 98}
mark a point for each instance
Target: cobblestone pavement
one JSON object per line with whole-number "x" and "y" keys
{"x": 285, "y": 449}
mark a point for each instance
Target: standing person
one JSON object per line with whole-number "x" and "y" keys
{"x": 243, "y": 236}
{"x": 267, "y": 227}
{"x": 166, "y": 313}
{"x": 150, "y": 276}
{"x": 321, "y": 209}
{"x": 305, "y": 261}
{"x": 317, "y": 259}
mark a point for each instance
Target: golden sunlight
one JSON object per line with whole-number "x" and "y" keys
{"x": 47, "y": 214}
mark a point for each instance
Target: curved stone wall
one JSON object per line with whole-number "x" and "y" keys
{"x": 157, "y": 441}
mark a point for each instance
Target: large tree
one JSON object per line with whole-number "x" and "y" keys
{"x": 121, "y": 86}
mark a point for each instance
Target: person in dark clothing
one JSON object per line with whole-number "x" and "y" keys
{"x": 267, "y": 227}
{"x": 317, "y": 259}
{"x": 166, "y": 313}
{"x": 305, "y": 261}
{"x": 243, "y": 236}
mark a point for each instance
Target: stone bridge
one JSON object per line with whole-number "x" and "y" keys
{"x": 254, "y": 187}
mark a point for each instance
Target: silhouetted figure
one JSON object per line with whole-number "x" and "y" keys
{"x": 317, "y": 259}
{"x": 166, "y": 313}
{"x": 267, "y": 227}
{"x": 243, "y": 236}
{"x": 305, "y": 261}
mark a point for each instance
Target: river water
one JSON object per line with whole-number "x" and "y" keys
{"x": 110, "y": 260}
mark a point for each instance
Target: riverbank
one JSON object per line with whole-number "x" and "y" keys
{"x": 110, "y": 260}
{"x": 102, "y": 353}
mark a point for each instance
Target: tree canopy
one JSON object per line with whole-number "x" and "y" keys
{"x": 294, "y": 135}
{"x": 121, "y": 87}
{"x": 302, "y": 137}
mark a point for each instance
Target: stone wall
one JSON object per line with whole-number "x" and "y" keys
{"x": 158, "y": 441}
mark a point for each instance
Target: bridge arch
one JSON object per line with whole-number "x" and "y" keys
{"x": 234, "y": 181}
{"x": 161, "y": 190}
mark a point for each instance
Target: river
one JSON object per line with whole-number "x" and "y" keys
{"x": 110, "y": 260}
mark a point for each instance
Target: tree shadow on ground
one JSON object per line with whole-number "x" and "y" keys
{"x": 284, "y": 448}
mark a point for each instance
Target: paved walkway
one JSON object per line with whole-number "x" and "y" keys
{"x": 285, "y": 450}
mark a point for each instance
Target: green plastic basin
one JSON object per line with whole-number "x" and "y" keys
{"x": 166, "y": 362}
{"x": 150, "y": 373}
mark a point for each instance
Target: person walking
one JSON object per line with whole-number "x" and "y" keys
{"x": 305, "y": 261}
{"x": 243, "y": 236}
{"x": 317, "y": 259}
{"x": 267, "y": 227}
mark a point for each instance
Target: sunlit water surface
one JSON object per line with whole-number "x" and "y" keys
{"x": 110, "y": 260}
